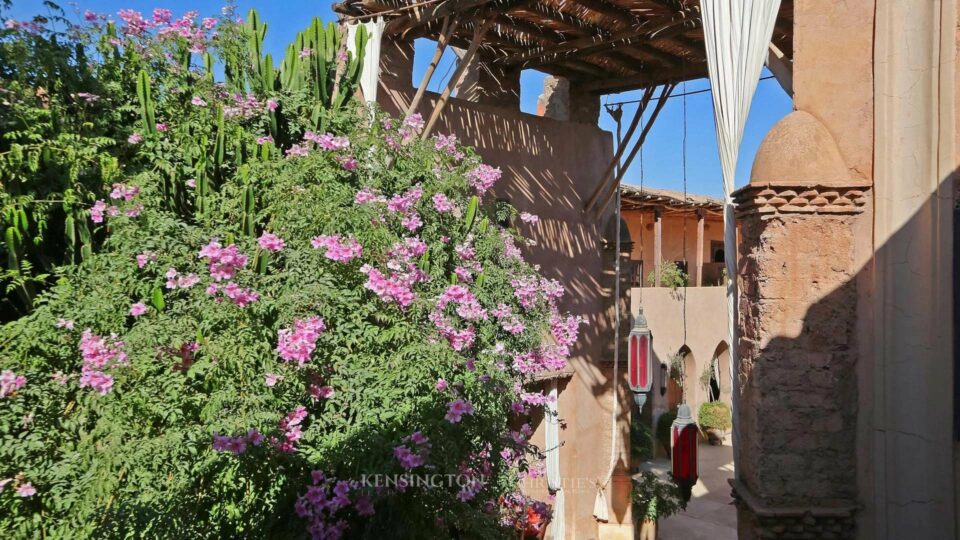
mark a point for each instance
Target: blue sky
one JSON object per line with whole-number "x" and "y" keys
{"x": 662, "y": 154}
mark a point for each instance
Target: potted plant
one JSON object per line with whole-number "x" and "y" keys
{"x": 715, "y": 420}
{"x": 654, "y": 496}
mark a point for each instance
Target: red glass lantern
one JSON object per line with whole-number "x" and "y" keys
{"x": 640, "y": 356}
{"x": 683, "y": 445}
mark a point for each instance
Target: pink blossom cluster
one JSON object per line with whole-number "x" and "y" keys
{"x": 414, "y": 453}
{"x": 468, "y": 307}
{"x": 145, "y": 258}
{"x": 320, "y": 392}
{"x": 366, "y": 196}
{"x": 298, "y": 343}
{"x": 456, "y": 409}
{"x": 24, "y": 489}
{"x": 404, "y": 204}
{"x": 30, "y": 27}
{"x": 264, "y": 139}
{"x": 238, "y": 295}
{"x": 565, "y": 329}
{"x": 483, "y": 177}
{"x": 459, "y": 339}
{"x": 465, "y": 272}
{"x": 519, "y": 512}
{"x": 323, "y": 503}
{"x": 442, "y": 203}
{"x": 397, "y": 287}
{"x": 100, "y": 354}
{"x": 298, "y": 150}
{"x": 270, "y": 242}
{"x": 224, "y": 261}
{"x": 119, "y": 192}
{"x": 135, "y": 25}
{"x": 527, "y": 217}
{"x": 176, "y": 280}
{"x": 327, "y": 141}
{"x": 244, "y": 106}
{"x": 511, "y": 323}
{"x": 292, "y": 427}
{"x": 526, "y": 289}
{"x": 448, "y": 145}
{"x": 510, "y": 249}
{"x": 475, "y": 467}
{"x": 337, "y": 248}
{"x": 10, "y": 382}
{"x": 545, "y": 358}
{"x": 237, "y": 444}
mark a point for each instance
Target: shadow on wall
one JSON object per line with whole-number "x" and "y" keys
{"x": 846, "y": 369}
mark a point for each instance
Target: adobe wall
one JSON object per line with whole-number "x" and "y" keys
{"x": 550, "y": 168}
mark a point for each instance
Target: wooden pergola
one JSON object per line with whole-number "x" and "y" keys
{"x": 599, "y": 46}
{"x": 602, "y": 46}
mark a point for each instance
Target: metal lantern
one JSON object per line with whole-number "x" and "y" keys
{"x": 683, "y": 455}
{"x": 640, "y": 356}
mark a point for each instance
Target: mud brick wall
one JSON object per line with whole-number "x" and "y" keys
{"x": 797, "y": 370}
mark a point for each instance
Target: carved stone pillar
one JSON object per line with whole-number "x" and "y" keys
{"x": 798, "y": 317}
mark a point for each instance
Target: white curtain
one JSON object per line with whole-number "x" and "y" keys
{"x": 737, "y": 34}
{"x": 557, "y": 527}
{"x": 370, "y": 70}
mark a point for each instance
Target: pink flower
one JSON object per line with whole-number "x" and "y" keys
{"x": 298, "y": 150}
{"x": 414, "y": 122}
{"x": 97, "y": 210}
{"x": 265, "y": 139}
{"x": 527, "y": 217}
{"x": 89, "y": 16}
{"x": 337, "y": 248}
{"x": 26, "y": 490}
{"x": 441, "y": 203}
{"x": 365, "y": 196}
{"x": 271, "y": 105}
{"x": 10, "y": 382}
{"x": 162, "y": 128}
{"x": 198, "y": 101}
{"x": 224, "y": 261}
{"x": 298, "y": 343}
{"x": 208, "y": 23}
{"x": 138, "y": 309}
{"x": 305, "y": 52}
{"x": 271, "y": 379}
{"x": 483, "y": 177}
{"x": 134, "y": 138}
{"x": 145, "y": 258}
{"x": 456, "y": 409}
{"x": 441, "y": 385}
{"x": 349, "y": 163}
{"x": 270, "y": 242}
{"x": 121, "y": 191}
{"x": 65, "y": 323}
{"x": 97, "y": 380}
{"x": 191, "y": 183}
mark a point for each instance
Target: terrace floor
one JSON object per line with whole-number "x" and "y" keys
{"x": 710, "y": 514}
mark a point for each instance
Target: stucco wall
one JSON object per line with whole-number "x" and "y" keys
{"x": 704, "y": 335}
{"x": 550, "y": 168}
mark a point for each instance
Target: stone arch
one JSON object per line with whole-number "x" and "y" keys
{"x": 721, "y": 363}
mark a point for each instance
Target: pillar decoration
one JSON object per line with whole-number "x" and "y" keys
{"x": 797, "y": 327}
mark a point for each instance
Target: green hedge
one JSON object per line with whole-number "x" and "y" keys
{"x": 716, "y": 415}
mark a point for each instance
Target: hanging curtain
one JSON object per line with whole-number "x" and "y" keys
{"x": 737, "y": 34}
{"x": 370, "y": 69}
{"x": 554, "y": 483}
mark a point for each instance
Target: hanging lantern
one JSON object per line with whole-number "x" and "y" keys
{"x": 683, "y": 455}
{"x": 640, "y": 359}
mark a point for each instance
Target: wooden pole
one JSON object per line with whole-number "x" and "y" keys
{"x": 700, "y": 219}
{"x": 638, "y": 115}
{"x": 447, "y": 30}
{"x": 661, "y": 101}
{"x": 657, "y": 245}
{"x": 478, "y": 33}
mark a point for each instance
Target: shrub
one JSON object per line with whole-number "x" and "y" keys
{"x": 715, "y": 415}
{"x": 243, "y": 358}
{"x": 670, "y": 276}
{"x": 663, "y": 428}
{"x": 656, "y": 497}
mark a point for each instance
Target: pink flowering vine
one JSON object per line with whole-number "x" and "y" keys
{"x": 270, "y": 242}
{"x": 337, "y": 248}
{"x": 457, "y": 409}
{"x": 10, "y": 382}
{"x": 297, "y": 344}
{"x": 100, "y": 354}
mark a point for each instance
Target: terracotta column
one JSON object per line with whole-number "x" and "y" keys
{"x": 700, "y": 219}
{"x": 798, "y": 316}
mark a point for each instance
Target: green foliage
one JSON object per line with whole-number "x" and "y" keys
{"x": 641, "y": 441}
{"x": 73, "y": 97}
{"x": 670, "y": 276}
{"x": 715, "y": 415}
{"x": 663, "y": 428}
{"x": 655, "y": 497}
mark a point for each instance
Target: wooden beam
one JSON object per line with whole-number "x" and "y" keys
{"x": 432, "y": 13}
{"x": 653, "y": 29}
{"x": 781, "y": 67}
{"x": 655, "y": 78}
{"x": 657, "y": 246}
{"x": 449, "y": 28}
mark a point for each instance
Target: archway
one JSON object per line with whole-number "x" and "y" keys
{"x": 689, "y": 380}
{"x": 721, "y": 370}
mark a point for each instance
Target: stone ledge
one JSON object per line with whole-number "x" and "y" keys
{"x": 743, "y": 495}
{"x": 778, "y": 198}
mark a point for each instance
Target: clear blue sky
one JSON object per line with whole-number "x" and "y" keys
{"x": 662, "y": 154}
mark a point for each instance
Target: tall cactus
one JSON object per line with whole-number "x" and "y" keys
{"x": 145, "y": 97}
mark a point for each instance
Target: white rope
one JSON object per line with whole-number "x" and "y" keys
{"x": 600, "y": 510}
{"x": 737, "y": 35}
